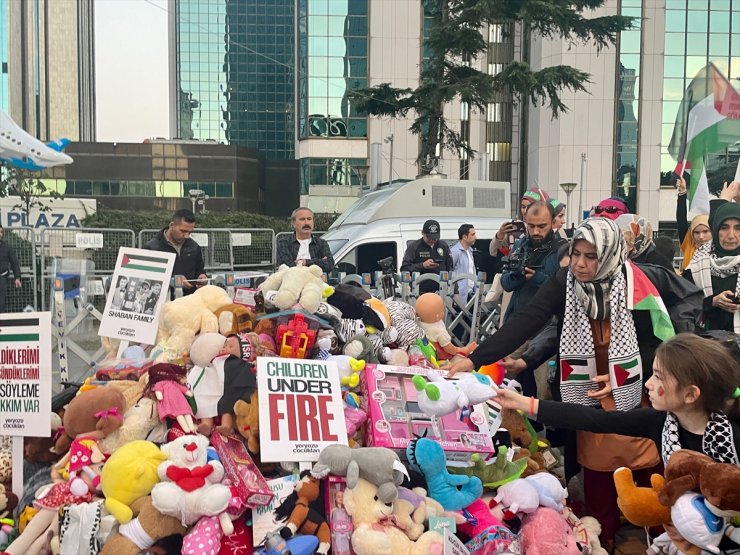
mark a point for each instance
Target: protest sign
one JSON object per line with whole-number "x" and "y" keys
{"x": 138, "y": 290}
{"x": 301, "y": 409}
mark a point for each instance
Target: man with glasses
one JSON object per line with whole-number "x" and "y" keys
{"x": 611, "y": 208}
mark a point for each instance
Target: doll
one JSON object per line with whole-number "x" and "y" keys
{"x": 240, "y": 382}
{"x": 166, "y": 381}
{"x": 431, "y": 311}
{"x": 83, "y": 456}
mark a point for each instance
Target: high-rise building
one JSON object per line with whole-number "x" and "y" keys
{"x": 232, "y": 79}
{"x": 48, "y": 66}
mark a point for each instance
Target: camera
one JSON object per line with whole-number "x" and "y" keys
{"x": 388, "y": 280}
{"x": 516, "y": 261}
{"x": 386, "y": 265}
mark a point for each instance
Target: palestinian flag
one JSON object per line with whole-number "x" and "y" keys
{"x": 576, "y": 369}
{"x": 642, "y": 295}
{"x": 148, "y": 263}
{"x": 19, "y": 329}
{"x": 708, "y": 121}
{"x": 627, "y": 372}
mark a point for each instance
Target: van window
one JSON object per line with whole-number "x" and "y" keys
{"x": 335, "y": 244}
{"x": 364, "y": 258}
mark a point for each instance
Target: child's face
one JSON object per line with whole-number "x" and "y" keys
{"x": 231, "y": 346}
{"x": 663, "y": 389}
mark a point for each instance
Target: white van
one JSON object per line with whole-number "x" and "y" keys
{"x": 382, "y": 223}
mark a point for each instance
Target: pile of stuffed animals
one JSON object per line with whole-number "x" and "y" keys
{"x": 138, "y": 462}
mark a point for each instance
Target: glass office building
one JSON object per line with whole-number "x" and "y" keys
{"x": 4, "y": 55}
{"x": 234, "y": 73}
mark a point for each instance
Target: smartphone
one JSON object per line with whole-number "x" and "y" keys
{"x": 520, "y": 228}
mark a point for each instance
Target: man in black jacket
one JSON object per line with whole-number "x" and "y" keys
{"x": 175, "y": 238}
{"x": 428, "y": 255}
{"x": 303, "y": 248}
{"x": 8, "y": 262}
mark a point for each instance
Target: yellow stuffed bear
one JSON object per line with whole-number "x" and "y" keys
{"x": 297, "y": 285}
{"x": 182, "y": 318}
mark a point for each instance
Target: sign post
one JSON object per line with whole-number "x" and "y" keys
{"x": 300, "y": 408}
{"x": 25, "y": 382}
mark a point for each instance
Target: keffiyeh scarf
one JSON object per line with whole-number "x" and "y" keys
{"x": 718, "y": 441}
{"x": 707, "y": 263}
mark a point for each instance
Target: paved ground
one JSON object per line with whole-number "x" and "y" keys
{"x": 630, "y": 541}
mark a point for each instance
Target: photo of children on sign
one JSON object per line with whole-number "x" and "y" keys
{"x": 300, "y": 407}
{"x": 140, "y": 296}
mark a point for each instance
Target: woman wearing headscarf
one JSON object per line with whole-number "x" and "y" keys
{"x": 690, "y": 236}
{"x": 610, "y": 321}
{"x": 715, "y": 269}
{"x": 610, "y": 208}
{"x": 638, "y": 234}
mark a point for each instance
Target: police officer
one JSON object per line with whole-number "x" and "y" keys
{"x": 428, "y": 255}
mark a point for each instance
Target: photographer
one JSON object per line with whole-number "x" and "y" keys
{"x": 533, "y": 258}
{"x": 428, "y": 255}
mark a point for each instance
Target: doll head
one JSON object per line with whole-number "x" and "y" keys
{"x": 165, "y": 372}
{"x": 430, "y": 308}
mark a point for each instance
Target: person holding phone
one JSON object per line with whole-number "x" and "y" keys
{"x": 428, "y": 255}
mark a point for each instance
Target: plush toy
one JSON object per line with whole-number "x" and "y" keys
{"x": 696, "y": 523}
{"x": 551, "y": 492}
{"x": 348, "y": 328}
{"x": 234, "y": 318}
{"x": 78, "y": 467}
{"x": 138, "y": 421}
{"x": 403, "y": 319}
{"x": 519, "y": 496}
{"x": 682, "y": 474}
{"x": 545, "y": 532}
{"x": 129, "y": 474}
{"x": 240, "y": 383}
{"x": 640, "y": 505}
{"x": 189, "y": 486}
{"x": 430, "y": 308}
{"x": 377, "y": 465}
{"x": 349, "y": 368}
{"x": 206, "y": 378}
{"x": 300, "y": 517}
{"x": 295, "y": 285}
{"x": 354, "y": 418}
{"x": 360, "y": 347}
{"x": 492, "y": 474}
{"x": 478, "y": 519}
{"x": 412, "y": 509}
{"x": 93, "y": 414}
{"x": 375, "y": 529}
{"x": 141, "y": 533}
{"x": 181, "y": 319}
{"x": 720, "y": 486}
{"x": 166, "y": 383}
{"x": 453, "y": 492}
{"x": 440, "y": 396}
{"x": 593, "y": 530}
{"x": 248, "y": 422}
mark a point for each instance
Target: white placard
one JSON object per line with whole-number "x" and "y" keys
{"x": 89, "y": 240}
{"x": 241, "y": 239}
{"x": 301, "y": 410}
{"x": 453, "y": 545}
{"x": 138, "y": 290}
{"x": 200, "y": 238}
{"x": 25, "y": 374}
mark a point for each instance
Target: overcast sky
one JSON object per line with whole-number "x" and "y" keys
{"x": 131, "y": 70}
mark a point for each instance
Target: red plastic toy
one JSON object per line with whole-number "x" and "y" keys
{"x": 296, "y": 338}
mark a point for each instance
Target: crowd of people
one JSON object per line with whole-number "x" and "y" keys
{"x": 647, "y": 357}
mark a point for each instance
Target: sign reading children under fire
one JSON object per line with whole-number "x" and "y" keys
{"x": 25, "y": 374}
{"x": 300, "y": 410}
{"x": 138, "y": 290}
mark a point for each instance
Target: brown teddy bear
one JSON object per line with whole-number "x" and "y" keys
{"x": 94, "y": 413}
{"x": 248, "y": 422}
{"x": 234, "y": 318}
{"x": 154, "y": 524}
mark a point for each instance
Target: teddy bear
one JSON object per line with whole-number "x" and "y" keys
{"x": 412, "y": 509}
{"x": 182, "y": 318}
{"x": 375, "y": 530}
{"x": 234, "y": 318}
{"x": 95, "y": 413}
{"x": 129, "y": 474}
{"x": 130, "y": 540}
{"x": 289, "y": 286}
{"x": 546, "y": 532}
{"x": 248, "y": 422}
{"x": 640, "y": 505}
{"x": 189, "y": 486}
{"x": 139, "y": 420}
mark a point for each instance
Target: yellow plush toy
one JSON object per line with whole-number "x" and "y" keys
{"x": 130, "y": 473}
{"x": 297, "y": 285}
{"x": 181, "y": 319}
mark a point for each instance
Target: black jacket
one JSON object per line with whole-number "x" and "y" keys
{"x": 682, "y": 301}
{"x": 418, "y": 251}
{"x": 188, "y": 263}
{"x": 8, "y": 260}
{"x": 288, "y": 247}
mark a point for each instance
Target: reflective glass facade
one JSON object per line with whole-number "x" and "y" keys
{"x": 500, "y": 111}
{"x": 4, "y": 55}
{"x": 332, "y": 53}
{"x": 340, "y": 172}
{"x": 697, "y": 32}
{"x": 235, "y": 79}
{"x": 628, "y": 94}
{"x": 139, "y": 188}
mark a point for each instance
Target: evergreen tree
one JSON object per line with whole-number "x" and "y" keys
{"x": 455, "y": 39}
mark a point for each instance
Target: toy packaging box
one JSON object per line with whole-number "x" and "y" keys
{"x": 263, "y": 518}
{"x": 339, "y": 520}
{"x": 395, "y": 419}
{"x": 241, "y": 470}
{"x": 497, "y": 539}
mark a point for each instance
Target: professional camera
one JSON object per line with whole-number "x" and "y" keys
{"x": 386, "y": 265}
{"x": 516, "y": 261}
{"x": 388, "y": 279}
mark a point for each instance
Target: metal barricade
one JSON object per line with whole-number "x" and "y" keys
{"x": 23, "y": 242}
{"x": 78, "y": 252}
{"x": 253, "y": 248}
{"x": 215, "y": 244}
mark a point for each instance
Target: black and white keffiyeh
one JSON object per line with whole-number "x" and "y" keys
{"x": 718, "y": 441}
{"x": 707, "y": 263}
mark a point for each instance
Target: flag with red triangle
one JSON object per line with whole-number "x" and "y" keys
{"x": 642, "y": 295}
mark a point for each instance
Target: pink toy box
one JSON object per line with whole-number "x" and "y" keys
{"x": 339, "y": 520}
{"x": 395, "y": 418}
{"x": 241, "y": 470}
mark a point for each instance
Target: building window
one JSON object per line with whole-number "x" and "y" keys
{"x": 499, "y": 152}
{"x": 336, "y": 172}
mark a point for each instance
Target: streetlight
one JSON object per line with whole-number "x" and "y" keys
{"x": 198, "y": 196}
{"x": 361, "y": 172}
{"x": 568, "y": 188}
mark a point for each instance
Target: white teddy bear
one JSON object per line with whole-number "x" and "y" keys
{"x": 189, "y": 486}
{"x": 300, "y": 284}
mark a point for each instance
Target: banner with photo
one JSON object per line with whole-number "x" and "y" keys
{"x": 138, "y": 290}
